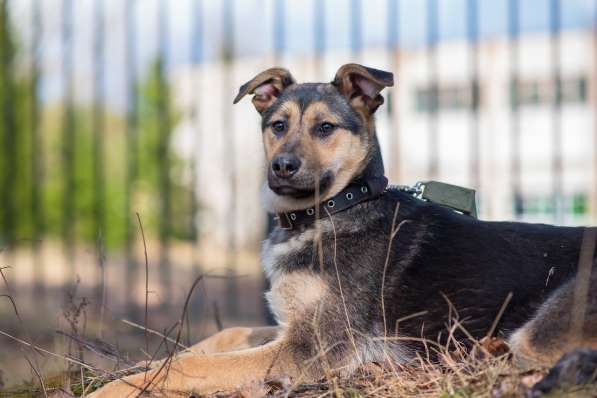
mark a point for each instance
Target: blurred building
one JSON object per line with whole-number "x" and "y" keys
{"x": 511, "y": 100}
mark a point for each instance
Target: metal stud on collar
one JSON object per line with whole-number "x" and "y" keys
{"x": 331, "y": 203}
{"x": 349, "y": 196}
{"x": 292, "y": 216}
{"x": 364, "y": 189}
{"x": 310, "y": 211}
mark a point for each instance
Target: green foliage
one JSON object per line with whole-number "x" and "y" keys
{"x": 156, "y": 187}
{"x": 160, "y": 170}
{"x": 14, "y": 175}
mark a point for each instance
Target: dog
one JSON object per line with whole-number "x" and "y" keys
{"x": 361, "y": 272}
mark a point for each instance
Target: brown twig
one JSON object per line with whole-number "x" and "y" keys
{"x": 154, "y": 332}
{"x": 100, "y": 348}
{"x": 217, "y": 317}
{"x": 146, "y": 282}
{"x": 583, "y": 281}
{"x": 101, "y": 256}
{"x": 21, "y": 323}
{"x": 393, "y": 231}
{"x": 39, "y": 377}
{"x": 44, "y": 351}
{"x": 168, "y": 360}
{"x": 500, "y": 314}
{"x": 348, "y": 323}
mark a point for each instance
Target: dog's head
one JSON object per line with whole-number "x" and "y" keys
{"x": 317, "y": 136}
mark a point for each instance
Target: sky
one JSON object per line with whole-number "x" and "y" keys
{"x": 255, "y": 27}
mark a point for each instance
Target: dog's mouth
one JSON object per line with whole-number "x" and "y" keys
{"x": 299, "y": 189}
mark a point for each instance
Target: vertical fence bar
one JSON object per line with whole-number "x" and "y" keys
{"x": 279, "y": 44}
{"x": 356, "y": 29}
{"x": 8, "y": 120}
{"x": 556, "y": 112}
{"x": 515, "y": 169}
{"x": 97, "y": 131}
{"x": 196, "y": 59}
{"x": 319, "y": 36}
{"x": 279, "y": 30}
{"x": 195, "y": 83}
{"x": 37, "y": 214}
{"x": 432, "y": 37}
{"x": 473, "y": 38}
{"x": 594, "y": 79}
{"x": 393, "y": 49}
{"x": 130, "y": 154}
{"x": 163, "y": 113}
{"x": 228, "y": 157}
{"x": 68, "y": 137}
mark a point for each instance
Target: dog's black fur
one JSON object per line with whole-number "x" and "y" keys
{"x": 439, "y": 258}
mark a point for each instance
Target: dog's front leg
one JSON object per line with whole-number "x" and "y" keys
{"x": 209, "y": 374}
{"x": 231, "y": 339}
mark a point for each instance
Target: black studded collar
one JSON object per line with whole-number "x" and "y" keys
{"x": 356, "y": 192}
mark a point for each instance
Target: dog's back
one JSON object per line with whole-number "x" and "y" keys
{"x": 448, "y": 264}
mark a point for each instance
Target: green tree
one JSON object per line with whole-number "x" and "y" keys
{"x": 15, "y": 168}
{"x": 159, "y": 192}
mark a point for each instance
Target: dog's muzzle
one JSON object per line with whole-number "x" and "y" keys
{"x": 301, "y": 185}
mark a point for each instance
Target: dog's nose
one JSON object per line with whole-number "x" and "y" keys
{"x": 285, "y": 165}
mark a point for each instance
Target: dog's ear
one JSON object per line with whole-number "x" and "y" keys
{"x": 266, "y": 86}
{"x": 362, "y": 85}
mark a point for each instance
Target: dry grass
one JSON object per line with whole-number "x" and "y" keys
{"x": 480, "y": 369}
{"x": 484, "y": 371}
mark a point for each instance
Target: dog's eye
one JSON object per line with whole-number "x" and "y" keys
{"x": 279, "y": 126}
{"x": 326, "y": 128}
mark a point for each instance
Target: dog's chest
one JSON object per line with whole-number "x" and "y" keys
{"x": 294, "y": 290}
{"x": 295, "y": 294}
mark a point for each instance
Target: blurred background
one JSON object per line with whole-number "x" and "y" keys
{"x": 117, "y": 114}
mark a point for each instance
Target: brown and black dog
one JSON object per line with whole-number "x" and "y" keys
{"x": 357, "y": 268}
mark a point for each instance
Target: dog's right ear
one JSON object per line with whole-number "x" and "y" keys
{"x": 266, "y": 86}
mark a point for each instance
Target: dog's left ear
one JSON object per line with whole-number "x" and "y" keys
{"x": 266, "y": 86}
{"x": 362, "y": 85}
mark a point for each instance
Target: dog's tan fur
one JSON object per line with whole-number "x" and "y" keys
{"x": 209, "y": 373}
{"x": 294, "y": 295}
{"x": 234, "y": 356}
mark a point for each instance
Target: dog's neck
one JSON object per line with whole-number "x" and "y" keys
{"x": 373, "y": 173}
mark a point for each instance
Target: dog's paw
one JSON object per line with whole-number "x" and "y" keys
{"x": 574, "y": 369}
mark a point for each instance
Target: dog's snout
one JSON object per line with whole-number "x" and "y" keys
{"x": 285, "y": 165}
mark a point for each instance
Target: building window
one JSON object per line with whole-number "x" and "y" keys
{"x": 576, "y": 205}
{"x": 543, "y": 92}
{"x": 426, "y": 100}
{"x": 574, "y": 90}
{"x": 446, "y": 98}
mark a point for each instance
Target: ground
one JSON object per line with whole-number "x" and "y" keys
{"x": 485, "y": 371}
